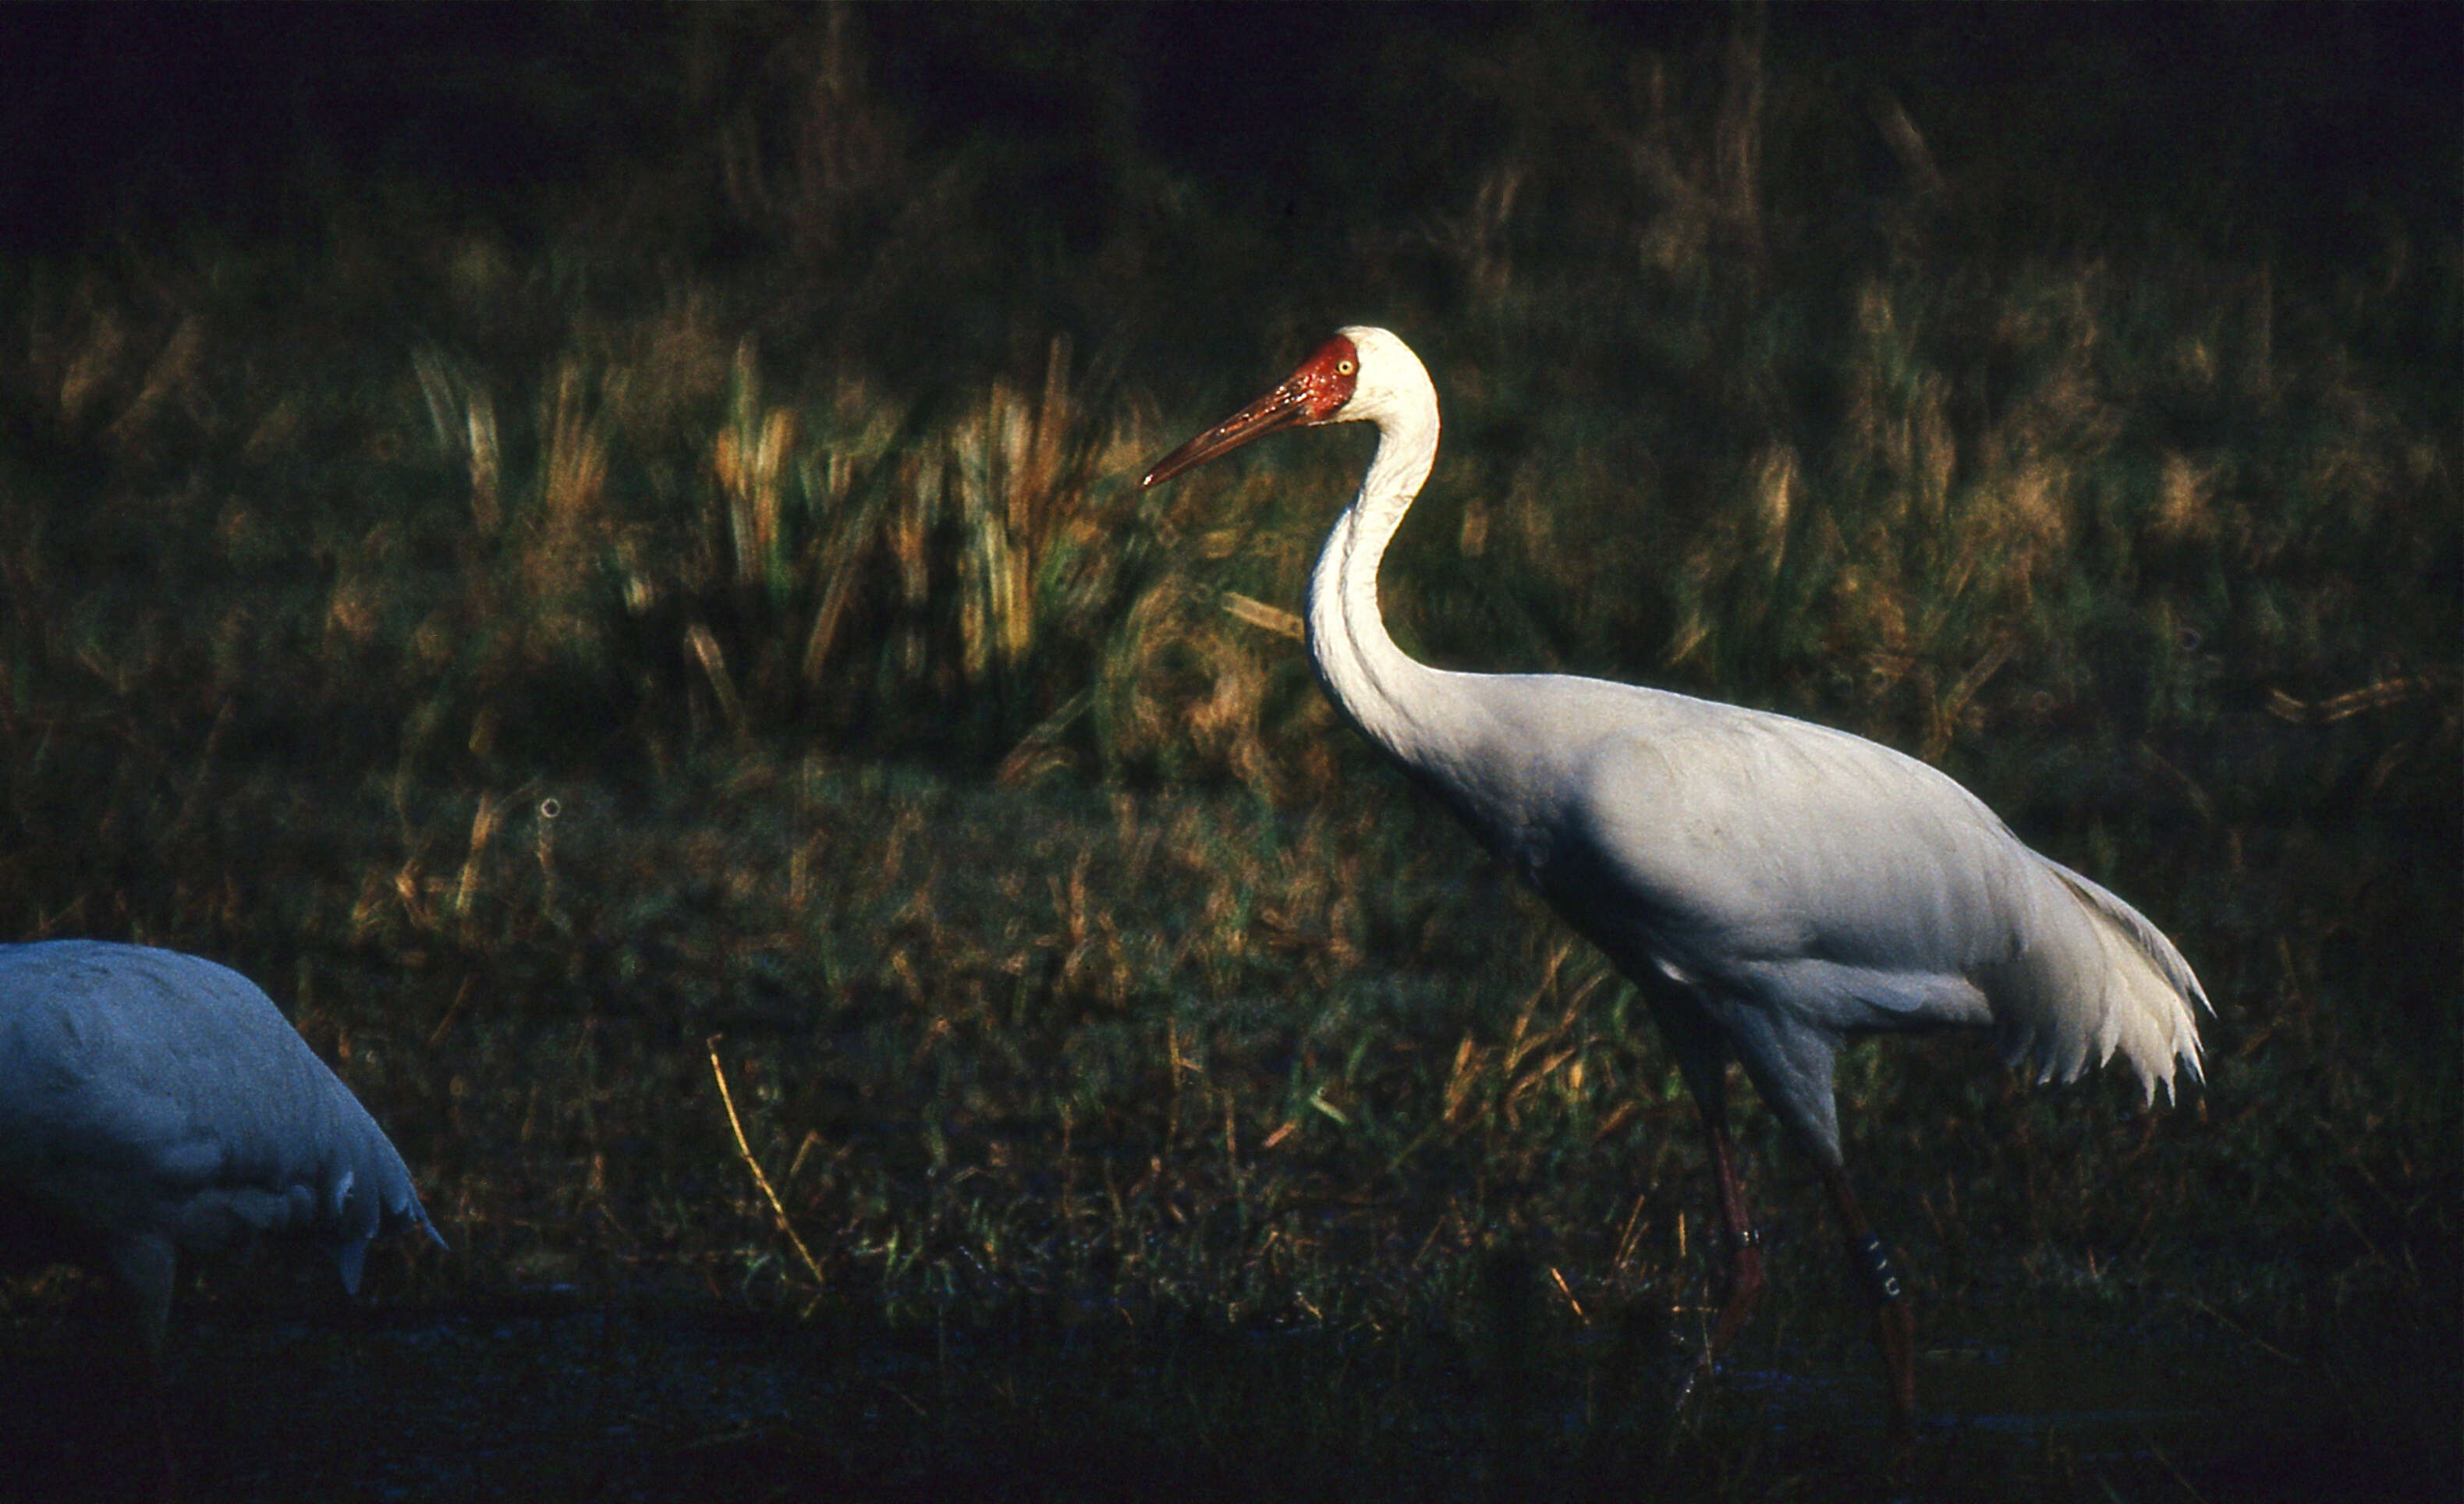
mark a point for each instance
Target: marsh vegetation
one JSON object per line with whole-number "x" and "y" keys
{"x": 609, "y": 562}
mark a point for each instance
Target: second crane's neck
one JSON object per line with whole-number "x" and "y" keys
{"x": 1403, "y": 705}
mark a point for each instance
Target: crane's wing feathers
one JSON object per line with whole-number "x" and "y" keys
{"x": 2130, "y": 993}
{"x": 164, "y": 1101}
{"x": 1842, "y": 885}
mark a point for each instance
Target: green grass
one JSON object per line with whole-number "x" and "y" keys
{"x": 544, "y": 659}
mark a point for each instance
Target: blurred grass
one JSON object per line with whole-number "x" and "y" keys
{"x": 729, "y": 614}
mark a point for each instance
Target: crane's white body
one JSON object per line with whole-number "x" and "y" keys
{"x": 1774, "y": 886}
{"x": 162, "y": 1104}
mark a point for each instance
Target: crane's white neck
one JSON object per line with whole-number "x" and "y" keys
{"x": 1400, "y": 702}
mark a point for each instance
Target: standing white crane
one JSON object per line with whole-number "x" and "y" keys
{"x": 153, "y": 1103}
{"x": 1772, "y": 887}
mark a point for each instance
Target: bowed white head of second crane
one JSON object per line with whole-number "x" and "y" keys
{"x": 1773, "y": 888}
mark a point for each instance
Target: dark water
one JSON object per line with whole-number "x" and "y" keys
{"x": 554, "y": 1398}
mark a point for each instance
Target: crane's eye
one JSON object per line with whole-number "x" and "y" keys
{"x": 1343, "y": 367}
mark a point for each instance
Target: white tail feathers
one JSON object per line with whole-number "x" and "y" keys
{"x": 2100, "y": 981}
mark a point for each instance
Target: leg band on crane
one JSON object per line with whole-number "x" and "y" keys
{"x": 1879, "y": 1270}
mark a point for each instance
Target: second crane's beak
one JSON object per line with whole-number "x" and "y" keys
{"x": 1285, "y": 406}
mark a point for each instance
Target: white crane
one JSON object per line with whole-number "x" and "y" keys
{"x": 1772, "y": 887}
{"x": 154, "y": 1103}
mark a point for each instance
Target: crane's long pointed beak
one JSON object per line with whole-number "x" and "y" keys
{"x": 1283, "y": 407}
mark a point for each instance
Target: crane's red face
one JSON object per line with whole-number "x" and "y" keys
{"x": 1314, "y": 393}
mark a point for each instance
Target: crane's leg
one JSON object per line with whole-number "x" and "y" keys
{"x": 158, "y": 1405}
{"x": 1702, "y": 1056}
{"x": 1791, "y": 1066}
{"x": 1895, "y": 1323}
{"x": 148, "y": 1267}
{"x": 1744, "y": 1284}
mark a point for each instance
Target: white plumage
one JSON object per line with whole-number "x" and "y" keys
{"x": 154, "y": 1103}
{"x": 1774, "y": 888}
